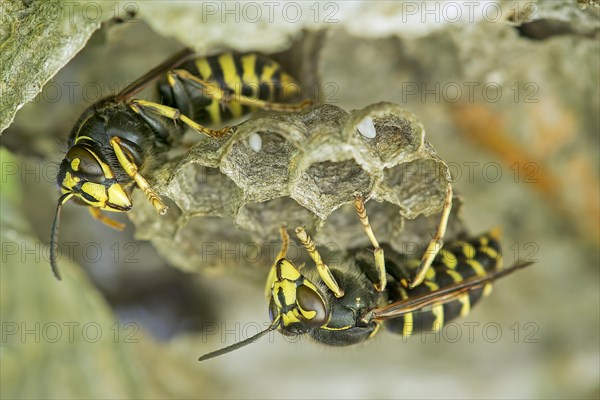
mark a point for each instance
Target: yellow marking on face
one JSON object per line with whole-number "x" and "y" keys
{"x": 468, "y": 250}
{"x": 288, "y": 289}
{"x": 437, "y": 311}
{"x": 289, "y": 271}
{"x": 118, "y": 196}
{"x": 478, "y": 268}
{"x": 448, "y": 258}
{"x": 70, "y": 181}
{"x": 289, "y": 318}
{"x": 308, "y": 314}
{"x": 274, "y": 291}
{"x": 204, "y": 68}
{"x": 75, "y": 164}
{"x": 96, "y": 191}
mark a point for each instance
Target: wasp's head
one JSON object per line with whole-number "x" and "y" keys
{"x": 89, "y": 179}
{"x": 86, "y": 178}
{"x": 295, "y": 301}
{"x": 296, "y": 307}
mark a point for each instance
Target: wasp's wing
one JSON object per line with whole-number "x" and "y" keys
{"x": 440, "y": 296}
{"x": 155, "y": 73}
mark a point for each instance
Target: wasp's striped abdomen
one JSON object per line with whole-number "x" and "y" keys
{"x": 457, "y": 261}
{"x": 251, "y": 75}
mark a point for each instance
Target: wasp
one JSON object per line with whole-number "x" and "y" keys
{"x": 348, "y": 305}
{"x": 118, "y": 139}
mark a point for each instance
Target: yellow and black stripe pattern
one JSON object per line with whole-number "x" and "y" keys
{"x": 456, "y": 262}
{"x": 301, "y": 307}
{"x": 461, "y": 273}
{"x": 250, "y": 75}
{"x": 296, "y": 300}
{"x": 119, "y": 138}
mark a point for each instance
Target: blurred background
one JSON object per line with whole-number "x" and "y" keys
{"x": 508, "y": 93}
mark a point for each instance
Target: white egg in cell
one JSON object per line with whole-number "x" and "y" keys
{"x": 255, "y": 142}
{"x": 367, "y": 128}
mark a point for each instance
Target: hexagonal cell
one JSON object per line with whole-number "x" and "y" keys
{"x": 200, "y": 190}
{"x": 325, "y": 186}
{"x": 325, "y": 117}
{"x": 264, "y": 219}
{"x": 297, "y": 168}
{"x": 207, "y": 151}
{"x": 384, "y": 134}
{"x": 418, "y": 187}
{"x": 262, "y": 174}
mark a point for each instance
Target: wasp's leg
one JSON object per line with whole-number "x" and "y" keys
{"x": 142, "y": 106}
{"x": 132, "y": 170}
{"x": 285, "y": 238}
{"x": 359, "y": 204}
{"x": 323, "y": 269}
{"x": 436, "y": 243}
{"x": 214, "y": 91}
{"x": 97, "y": 214}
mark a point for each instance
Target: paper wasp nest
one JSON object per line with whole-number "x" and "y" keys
{"x": 225, "y": 193}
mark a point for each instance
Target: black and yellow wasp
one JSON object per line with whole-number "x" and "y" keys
{"x": 118, "y": 139}
{"x": 348, "y": 305}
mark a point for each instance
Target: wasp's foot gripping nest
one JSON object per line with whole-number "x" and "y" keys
{"x": 295, "y": 169}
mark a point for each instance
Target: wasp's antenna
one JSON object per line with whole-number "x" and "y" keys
{"x": 54, "y": 236}
{"x": 241, "y": 344}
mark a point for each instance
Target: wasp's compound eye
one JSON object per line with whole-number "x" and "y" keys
{"x": 84, "y": 164}
{"x": 312, "y": 306}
